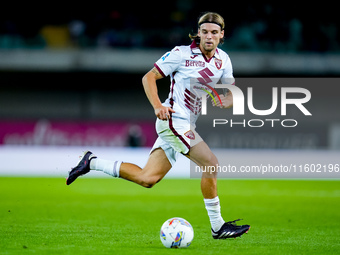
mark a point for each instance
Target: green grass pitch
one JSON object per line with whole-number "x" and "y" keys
{"x": 113, "y": 216}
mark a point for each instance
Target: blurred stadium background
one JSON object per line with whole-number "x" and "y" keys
{"x": 71, "y": 77}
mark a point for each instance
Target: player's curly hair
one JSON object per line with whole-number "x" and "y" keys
{"x": 208, "y": 17}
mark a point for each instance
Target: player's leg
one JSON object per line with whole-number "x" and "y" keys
{"x": 204, "y": 157}
{"x": 155, "y": 169}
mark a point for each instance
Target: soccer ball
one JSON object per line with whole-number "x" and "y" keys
{"x": 176, "y": 233}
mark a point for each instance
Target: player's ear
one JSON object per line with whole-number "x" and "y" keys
{"x": 222, "y": 34}
{"x": 199, "y": 32}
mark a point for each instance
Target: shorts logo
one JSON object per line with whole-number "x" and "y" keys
{"x": 190, "y": 135}
{"x": 218, "y": 63}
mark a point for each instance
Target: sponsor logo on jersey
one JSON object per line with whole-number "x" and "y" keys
{"x": 194, "y": 63}
{"x": 165, "y": 56}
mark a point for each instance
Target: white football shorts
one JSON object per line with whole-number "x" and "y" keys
{"x": 175, "y": 136}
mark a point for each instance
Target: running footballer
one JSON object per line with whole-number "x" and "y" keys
{"x": 193, "y": 70}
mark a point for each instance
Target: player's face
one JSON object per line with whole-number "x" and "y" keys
{"x": 210, "y": 35}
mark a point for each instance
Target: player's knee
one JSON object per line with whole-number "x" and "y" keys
{"x": 148, "y": 185}
{"x": 211, "y": 167}
{"x": 211, "y": 161}
{"x": 149, "y": 182}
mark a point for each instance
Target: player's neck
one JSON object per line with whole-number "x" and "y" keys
{"x": 208, "y": 54}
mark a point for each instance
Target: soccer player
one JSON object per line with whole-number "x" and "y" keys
{"x": 194, "y": 70}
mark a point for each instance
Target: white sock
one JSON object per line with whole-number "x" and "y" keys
{"x": 214, "y": 212}
{"x": 107, "y": 166}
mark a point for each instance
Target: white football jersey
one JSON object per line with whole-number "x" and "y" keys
{"x": 193, "y": 76}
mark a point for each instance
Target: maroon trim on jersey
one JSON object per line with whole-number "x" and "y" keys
{"x": 176, "y": 134}
{"x": 172, "y": 87}
{"x": 159, "y": 70}
{"x": 189, "y": 95}
{"x": 207, "y": 60}
{"x": 188, "y": 100}
{"x": 193, "y": 45}
{"x": 170, "y": 119}
{"x": 191, "y": 103}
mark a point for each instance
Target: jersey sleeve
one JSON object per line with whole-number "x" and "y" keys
{"x": 169, "y": 62}
{"x": 227, "y": 76}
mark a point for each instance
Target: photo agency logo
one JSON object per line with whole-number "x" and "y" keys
{"x": 295, "y": 96}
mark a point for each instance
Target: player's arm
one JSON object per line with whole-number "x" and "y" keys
{"x": 227, "y": 96}
{"x": 150, "y": 88}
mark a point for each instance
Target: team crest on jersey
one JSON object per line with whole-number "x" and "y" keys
{"x": 190, "y": 135}
{"x": 218, "y": 63}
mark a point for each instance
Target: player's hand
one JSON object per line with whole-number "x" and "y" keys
{"x": 227, "y": 101}
{"x": 163, "y": 113}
